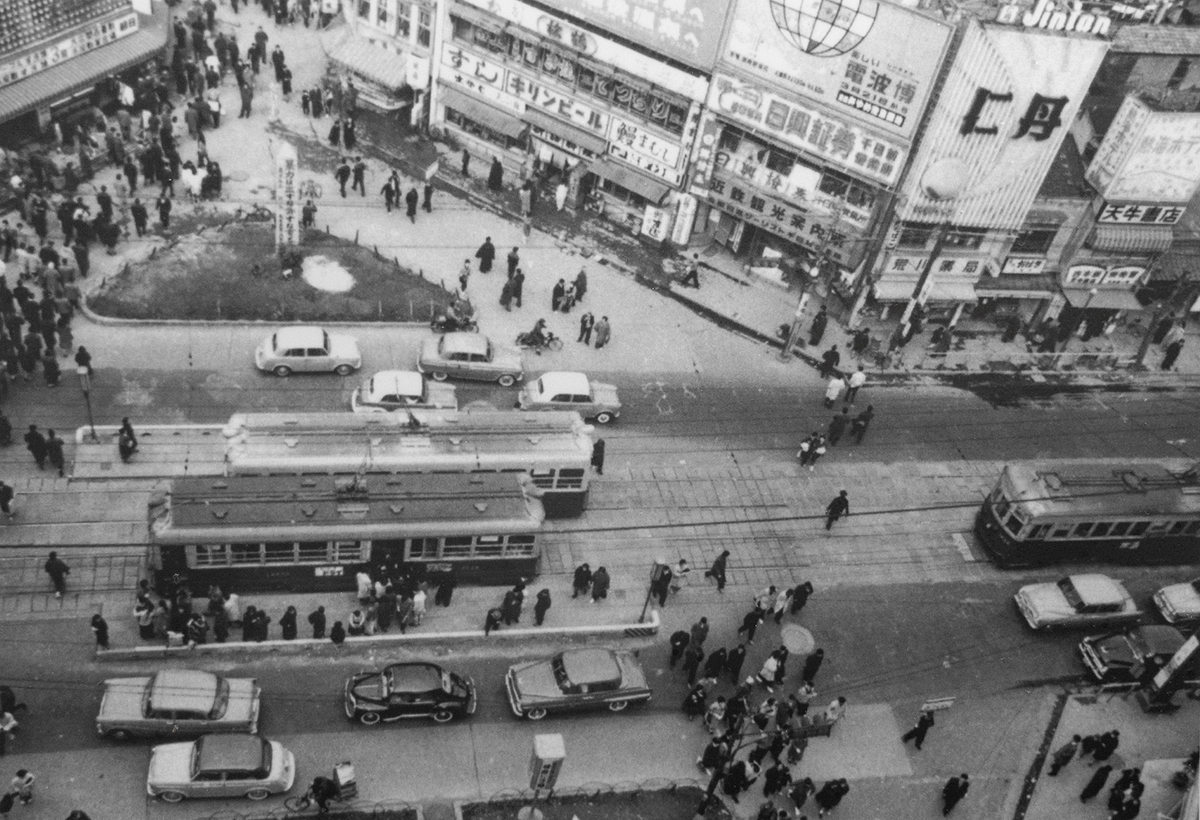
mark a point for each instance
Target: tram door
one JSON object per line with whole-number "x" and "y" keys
{"x": 388, "y": 553}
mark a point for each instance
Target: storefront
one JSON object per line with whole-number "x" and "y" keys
{"x": 386, "y": 49}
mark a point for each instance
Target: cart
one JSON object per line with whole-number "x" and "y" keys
{"x": 343, "y": 775}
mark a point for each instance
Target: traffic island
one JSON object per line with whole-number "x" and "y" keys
{"x": 656, "y": 800}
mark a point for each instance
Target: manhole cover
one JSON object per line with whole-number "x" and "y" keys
{"x": 797, "y": 639}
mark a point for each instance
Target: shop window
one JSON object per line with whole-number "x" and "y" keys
{"x": 364, "y": 9}
{"x": 834, "y": 184}
{"x": 382, "y": 17}
{"x": 914, "y": 236}
{"x": 731, "y": 140}
{"x": 424, "y": 21}
{"x": 622, "y": 194}
{"x": 482, "y": 131}
{"x": 1034, "y": 240}
{"x": 860, "y": 196}
{"x": 781, "y": 162}
{"x": 967, "y": 238}
{"x": 460, "y": 29}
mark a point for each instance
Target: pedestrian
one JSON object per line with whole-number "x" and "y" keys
{"x": 316, "y": 619}
{"x": 581, "y": 285}
{"x": 680, "y": 576}
{"x": 1064, "y": 755}
{"x": 833, "y": 390}
{"x": 828, "y": 797}
{"x": 464, "y": 275}
{"x": 541, "y": 606}
{"x": 603, "y": 332}
{"x": 917, "y": 733}
{"x": 830, "y": 359}
{"x": 518, "y": 286}
{"x": 800, "y": 791}
{"x": 766, "y": 675}
{"x": 514, "y": 260}
{"x": 586, "y": 322}
{"x": 338, "y": 634}
{"x": 858, "y": 427}
{"x": 125, "y": 446}
{"x": 1173, "y": 344}
{"x": 838, "y": 425}
{"x": 58, "y": 571}
{"x": 410, "y": 200}
{"x": 427, "y": 201}
{"x": 954, "y": 790}
{"x": 6, "y": 500}
{"x": 342, "y": 175}
{"x": 717, "y": 570}
{"x": 557, "y": 295}
{"x": 750, "y": 623}
{"x": 466, "y": 161}
{"x": 733, "y": 663}
{"x": 598, "y": 456}
{"x": 780, "y": 604}
{"x": 492, "y": 621}
{"x": 811, "y": 449}
{"x": 692, "y": 656}
{"x": 164, "y": 211}
{"x": 1106, "y": 747}
{"x": 600, "y": 584}
{"x": 857, "y": 379}
{"x": 660, "y": 586}
{"x": 679, "y": 642}
{"x": 699, "y": 632}
{"x": 582, "y": 581}
{"x": 100, "y": 630}
{"x": 812, "y": 665}
{"x": 22, "y": 786}
{"x": 817, "y": 331}
{"x": 836, "y": 509}
{"x": 800, "y": 595}
{"x": 1093, "y": 787}
{"x": 359, "y": 172}
{"x": 287, "y": 624}
{"x": 54, "y": 449}
{"x": 487, "y": 251}
{"x": 495, "y": 174}
{"x": 714, "y": 663}
{"x": 35, "y": 443}
{"x": 509, "y": 608}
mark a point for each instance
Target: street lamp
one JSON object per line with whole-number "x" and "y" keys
{"x": 85, "y": 384}
{"x": 809, "y": 278}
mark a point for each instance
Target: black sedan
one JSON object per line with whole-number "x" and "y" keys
{"x": 1133, "y": 655}
{"x": 408, "y": 690}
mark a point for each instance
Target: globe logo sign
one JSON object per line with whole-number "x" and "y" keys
{"x": 824, "y": 28}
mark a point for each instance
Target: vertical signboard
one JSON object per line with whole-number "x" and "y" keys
{"x": 287, "y": 222}
{"x": 1148, "y": 156}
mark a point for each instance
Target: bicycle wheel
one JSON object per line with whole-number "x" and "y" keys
{"x": 555, "y": 344}
{"x": 298, "y": 803}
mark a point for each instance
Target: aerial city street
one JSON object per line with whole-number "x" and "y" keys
{"x": 652, "y": 409}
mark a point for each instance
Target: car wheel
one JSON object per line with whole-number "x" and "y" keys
{"x": 442, "y": 716}
{"x": 603, "y": 418}
{"x": 507, "y": 380}
{"x": 535, "y": 714}
{"x": 343, "y": 370}
{"x": 369, "y": 718}
{"x": 119, "y": 734}
{"x": 282, "y": 371}
{"x": 439, "y": 376}
{"x": 618, "y": 705}
{"x": 172, "y": 797}
{"x": 258, "y": 794}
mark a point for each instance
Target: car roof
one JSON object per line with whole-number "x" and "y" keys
{"x": 393, "y": 382}
{"x": 289, "y": 337}
{"x": 565, "y": 381}
{"x": 590, "y": 665}
{"x": 475, "y": 343}
{"x": 1096, "y": 589}
{"x": 242, "y": 753}
{"x": 184, "y": 689}
{"x": 415, "y": 677}
{"x": 1158, "y": 639}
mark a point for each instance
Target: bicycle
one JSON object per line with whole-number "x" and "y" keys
{"x": 303, "y": 802}
{"x": 309, "y": 189}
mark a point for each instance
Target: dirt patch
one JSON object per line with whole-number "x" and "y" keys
{"x": 671, "y": 804}
{"x": 208, "y": 273}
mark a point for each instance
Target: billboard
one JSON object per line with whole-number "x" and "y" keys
{"x": 857, "y": 59}
{"x": 999, "y": 123}
{"x": 1148, "y": 155}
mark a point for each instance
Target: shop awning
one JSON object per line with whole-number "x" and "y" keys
{"x": 573, "y": 133}
{"x": 952, "y": 290}
{"x": 79, "y": 73}
{"x": 894, "y": 290}
{"x": 626, "y": 177}
{"x": 387, "y": 68}
{"x": 482, "y": 113}
{"x": 1015, "y": 286}
{"x": 1105, "y": 298}
{"x": 1131, "y": 238}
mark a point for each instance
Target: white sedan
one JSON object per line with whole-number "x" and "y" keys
{"x": 220, "y": 766}
{"x": 1076, "y": 601}
{"x": 564, "y": 390}
{"x": 307, "y": 350}
{"x": 1179, "y": 603}
{"x": 390, "y": 390}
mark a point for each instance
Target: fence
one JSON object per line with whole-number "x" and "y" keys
{"x": 105, "y": 572}
{"x": 397, "y": 809}
{"x": 593, "y": 791}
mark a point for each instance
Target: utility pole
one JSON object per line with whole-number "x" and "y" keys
{"x": 793, "y": 336}
{"x": 943, "y": 232}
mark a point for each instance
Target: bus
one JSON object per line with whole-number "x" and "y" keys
{"x": 314, "y": 533}
{"x": 553, "y": 448}
{"x": 1131, "y": 514}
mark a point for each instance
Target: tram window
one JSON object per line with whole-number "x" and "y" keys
{"x": 1177, "y": 527}
{"x": 1082, "y": 530}
{"x": 542, "y": 478}
{"x": 422, "y": 548}
{"x": 457, "y": 546}
{"x": 211, "y": 555}
{"x": 1120, "y": 528}
{"x": 1101, "y": 529}
{"x": 570, "y": 479}
{"x": 279, "y": 552}
{"x": 313, "y": 552}
{"x": 1157, "y": 528}
{"x": 1061, "y": 531}
{"x": 999, "y": 506}
{"x": 245, "y": 553}
{"x": 1038, "y": 532}
{"x": 1139, "y": 527}
{"x": 489, "y": 545}
{"x": 1013, "y": 524}
{"x": 520, "y": 545}
{"x": 344, "y": 551}
{"x": 1193, "y": 527}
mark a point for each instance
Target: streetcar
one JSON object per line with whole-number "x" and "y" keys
{"x": 553, "y": 448}
{"x": 314, "y": 533}
{"x": 1095, "y": 512}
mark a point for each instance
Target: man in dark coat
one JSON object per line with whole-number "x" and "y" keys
{"x": 598, "y": 456}
{"x": 733, "y": 663}
{"x": 541, "y": 606}
{"x": 954, "y": 790}
{"x": 830, "y": 359}
{"x": 1093, "y": 787}
{"x": 751, "y": 621}
{"x": 836, "y": 509}
{"x": 487, "y": 251}
{"x": 35, "y": 442}
{"x": 717, "y": 570}
{"x": 812, "y": 665}
{"x": 600, "y": 584}
{"x": 360, "y": 171}
{"x": 495, "y": 175}
{"x": 858, "y": 427}
{"x": 518, "y": 286}
{"x": 818, "y": 327}
{"x": 410, "y": 200}
{"x": 582, "y": 580}
{"x": 342, "y": 175}
{"x": 917, "y": 733}
{"x": 838, "y": 425}
{"x": 679, "y": 642}
{"x": 800, "y": 595}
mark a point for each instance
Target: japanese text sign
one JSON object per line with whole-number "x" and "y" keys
{"x": 1148, "y": 156}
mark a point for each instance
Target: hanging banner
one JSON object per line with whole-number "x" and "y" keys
{"x": 287, "y": 214}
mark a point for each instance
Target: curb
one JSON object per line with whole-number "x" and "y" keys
{"x": 420, "y": 640}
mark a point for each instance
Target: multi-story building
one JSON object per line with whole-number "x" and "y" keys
{"x": 54, "y": 55}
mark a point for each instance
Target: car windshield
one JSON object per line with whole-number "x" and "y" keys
{"x": 447, "y": 683}
{"x": 560, "y": 674}
{"x": 275, "y": 342}
{"x": 1196, "y": 585}
{"x": 1071, "y": 594}
{"x": 457, "y": 685}
{"x": 221, "y": 701}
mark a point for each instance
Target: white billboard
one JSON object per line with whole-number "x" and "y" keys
{"x": 1148, "y": 155}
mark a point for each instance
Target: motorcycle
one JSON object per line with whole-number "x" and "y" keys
{"x": 548, "y": 342}
{"x": 449, "y": 323}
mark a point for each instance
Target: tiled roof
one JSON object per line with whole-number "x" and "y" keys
{"x": 80, "y": 72}
{"x": 386, "y": 67}
{"x": 1148, "y": 39}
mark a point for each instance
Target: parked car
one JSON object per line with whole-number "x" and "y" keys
{"x": 1077, "y": 601}
{"x": 562, "y": 390}
{"x": 576, "y": 679}
{"x": 1179, "y": 603}
{"x": 470, "y": 356}
{"x": 307, "y": 350}
{"x": 177, "y": 702}
{"x": 220, "y": 766}
{"x": 390, "y": 390}
{"x": 408, "y": 690}
{"x": 1128, "y": 656}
